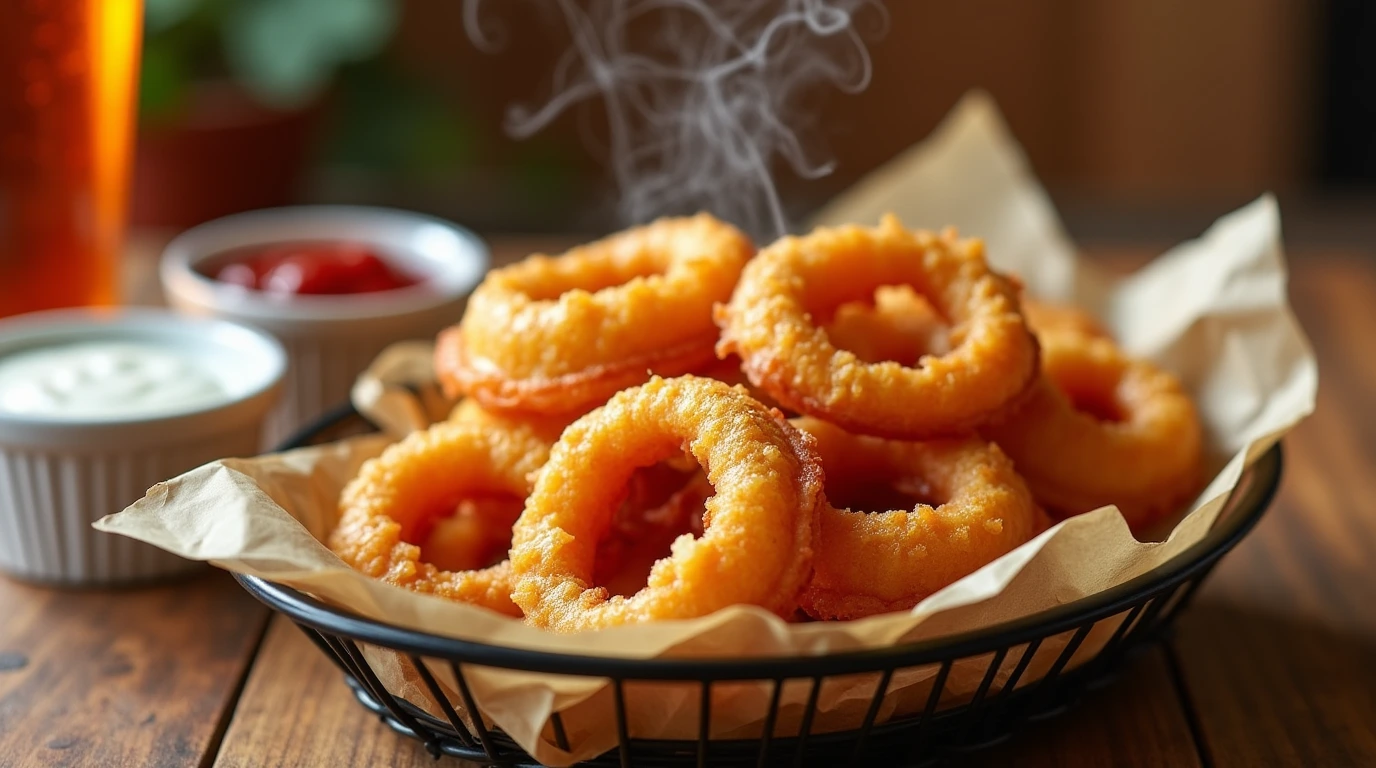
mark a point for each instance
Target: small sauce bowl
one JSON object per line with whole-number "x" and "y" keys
{"x": 60, "y": 473}
{"x": 330, "y": 339}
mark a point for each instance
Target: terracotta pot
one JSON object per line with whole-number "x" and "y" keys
{"x": 225, "y": 154}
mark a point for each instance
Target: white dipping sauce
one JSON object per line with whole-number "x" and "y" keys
{"x": 104, "y": 380}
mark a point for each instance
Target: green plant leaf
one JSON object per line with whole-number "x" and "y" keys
{"x": 285, "y": 51}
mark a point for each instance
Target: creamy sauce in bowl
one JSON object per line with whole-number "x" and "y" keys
{"x": 110, "y": 379}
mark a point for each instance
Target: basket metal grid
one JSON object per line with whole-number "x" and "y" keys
{"x": 1007, "y": 696}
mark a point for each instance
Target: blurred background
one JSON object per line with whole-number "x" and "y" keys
{"x": 1145, "y": 118}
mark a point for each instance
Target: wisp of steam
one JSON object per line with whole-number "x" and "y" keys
{"x": 703, "y": 98}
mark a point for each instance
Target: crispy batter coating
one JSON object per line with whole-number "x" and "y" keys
{"x": 756, "y": 545}
{"x": 1104, "y": 428}
{"x": 663, "y": 504}
{"x": 769, "y": 323}
{"x": 964, "y": 506}
{"x": 397, "y": 498}
{"x": 899, "y": 325}
{"x": 476, "y": 536}
{"x": 729, "y": 370}
{"x": 562, "y": 334}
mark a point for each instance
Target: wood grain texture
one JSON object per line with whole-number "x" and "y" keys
{"x": 137, "y": 677}
{"x": 296, "y": 710}
{"x": 1279, "y": 652}
{"x": 1136, "y": 721}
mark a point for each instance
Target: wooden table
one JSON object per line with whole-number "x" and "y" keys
{"x": 1274, "y": 664}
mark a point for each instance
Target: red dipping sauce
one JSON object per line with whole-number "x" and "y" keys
{"x": 310, "y": 268}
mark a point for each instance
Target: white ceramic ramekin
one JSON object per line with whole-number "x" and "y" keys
{"x": 57, "y": 476}
{"x": 330, "y": 339}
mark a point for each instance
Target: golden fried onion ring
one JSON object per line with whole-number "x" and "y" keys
{"x": 756, "y": 545}
{"x": 562, "y": 334}
{"x": 398, "y": 496}
{"x": 899, "y": 325}
{"x": 545, "y": 427}
{"x": 660, "y": 503}
{"x": 476, "y": 536}
{"x": 647, "y": 524}
{"x": 976, "y": 509}
{"x": 1103, "y": 428}
{"x": 769, "y": 323}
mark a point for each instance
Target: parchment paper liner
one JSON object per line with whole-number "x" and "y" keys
{"x": 1213, "y": 310}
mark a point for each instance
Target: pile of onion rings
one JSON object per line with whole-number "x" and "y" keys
{"x": 856, "y": 419}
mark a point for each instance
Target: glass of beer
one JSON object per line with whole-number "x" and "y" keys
{"x": 67, "y": 84}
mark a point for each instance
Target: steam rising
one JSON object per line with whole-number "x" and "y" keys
{"x": 702, "y": 98}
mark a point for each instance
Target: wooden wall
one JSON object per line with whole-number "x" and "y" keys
{"x": 1147, "y": 98}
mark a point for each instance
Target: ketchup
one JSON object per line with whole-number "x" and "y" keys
{"x": 324, "y": 268}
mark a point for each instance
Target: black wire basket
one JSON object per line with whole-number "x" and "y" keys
{"x": 1033, "y": 667}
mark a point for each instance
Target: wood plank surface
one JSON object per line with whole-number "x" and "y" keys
{"x": 1278, "y": 654}
{"x": 296, "y": 710}
{"x": 1135, "y": 721}
{"x": 138, "y": 677}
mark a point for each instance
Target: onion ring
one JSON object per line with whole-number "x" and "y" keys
{"x": 660, "y": 503}
{"x": 562, "y": 334}
{"x": 769, "y": 323}
{"x": 546, "y": 428}
{"x": 398, "y": 496}
{"x": 728, "y": 370}
{"x": 899, "y": 325}
{"x": 972, "y": 508}
{"x": 756, "y": 546}
{"x": 1103, "y": 428}
{"x": 644, "y": 531}
{"x": 476, "y": 536}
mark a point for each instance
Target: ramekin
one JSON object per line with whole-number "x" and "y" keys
{"x": 57, "y": 476}
{"x": 330, "y": 339}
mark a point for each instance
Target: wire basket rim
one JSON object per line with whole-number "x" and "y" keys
{"x": 1256, "y": 490}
